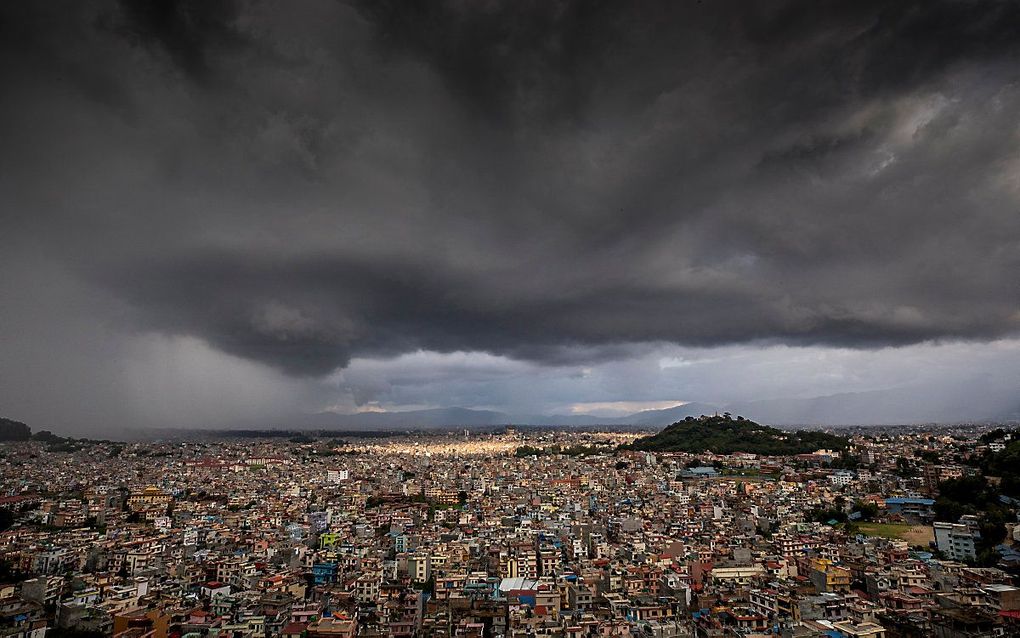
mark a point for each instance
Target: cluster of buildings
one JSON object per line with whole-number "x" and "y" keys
{"x": 456, "y": 536}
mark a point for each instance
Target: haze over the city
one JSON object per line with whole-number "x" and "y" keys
{"x": 218, "y": 214}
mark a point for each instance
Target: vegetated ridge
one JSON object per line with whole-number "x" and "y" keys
{"x": 11, "y": 430}
{"x": 725, "y": 435}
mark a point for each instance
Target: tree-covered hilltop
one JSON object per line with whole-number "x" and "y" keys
{"x": 1004, "y": 464}
{"x": 725, "y": 434}
{"x": 11, "y": 430}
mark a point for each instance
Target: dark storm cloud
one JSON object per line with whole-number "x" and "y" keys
{"x": 557, "y": 181}
{"x": 189, "y": 31}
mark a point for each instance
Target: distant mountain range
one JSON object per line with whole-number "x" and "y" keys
{"x": 983, "y": 400}
{"x": 465, "y": 417}
{"x": 979, "y": 400}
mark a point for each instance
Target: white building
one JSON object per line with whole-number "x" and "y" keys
{"x": 337, "y": 475}
{"x": 841, "y": 478}
{"x": 955, "y": 540}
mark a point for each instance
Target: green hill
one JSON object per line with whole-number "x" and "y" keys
{"x": 724, "y": 435}
{"x": 11, "y": 430}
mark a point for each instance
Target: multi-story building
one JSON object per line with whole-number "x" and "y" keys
{"x": 956, "y": 541}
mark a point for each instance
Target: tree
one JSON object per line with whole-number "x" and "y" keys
{"x": 867, "y": 509}
{"x": 904, "y": 468}
{"x": 928, "y": 456}
{"x": 948, "y": 510}
{"x": 826, "y": 515}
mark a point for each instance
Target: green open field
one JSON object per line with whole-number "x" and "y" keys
{"x": 913, "y": 534}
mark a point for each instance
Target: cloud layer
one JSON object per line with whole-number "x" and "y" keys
{"x": 564, "y": 183}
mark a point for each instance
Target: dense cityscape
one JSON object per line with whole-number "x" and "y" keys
{"x": 508, "y": 533}
{"x": 509, "y": 319}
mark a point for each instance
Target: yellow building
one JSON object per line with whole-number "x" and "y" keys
{"x": 828, "y": 577}
{"x": 148, "y": 498}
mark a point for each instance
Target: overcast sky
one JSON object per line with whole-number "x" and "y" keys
{"x": 215, "y": 212}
